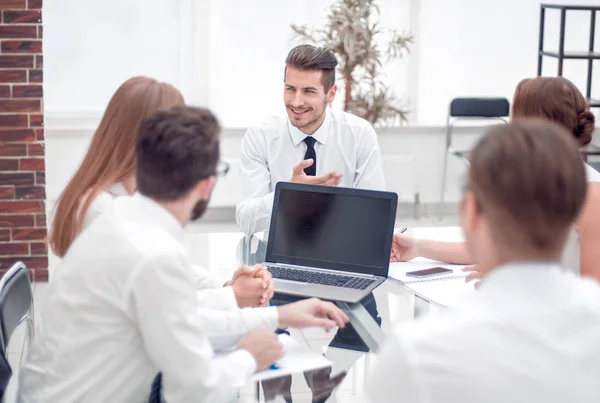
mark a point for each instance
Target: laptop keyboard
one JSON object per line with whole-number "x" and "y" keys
{"x": 316, "y": 277}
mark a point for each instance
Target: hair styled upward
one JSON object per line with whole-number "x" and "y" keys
{"x": 309, "y": 57}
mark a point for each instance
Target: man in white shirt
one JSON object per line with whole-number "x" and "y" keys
{"x": 532, "y": 331}
{"x": 313, "y": 144}
{"x": 122, "y": 306}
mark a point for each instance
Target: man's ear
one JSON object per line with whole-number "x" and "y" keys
{"x": 331, "y": 94}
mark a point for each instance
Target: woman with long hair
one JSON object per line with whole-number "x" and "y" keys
{"x": 108, "y": 168}
{"x": 108, "y": 171}
{"x": 556, "y": 99}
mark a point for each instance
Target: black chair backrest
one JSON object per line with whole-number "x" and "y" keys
{"x": 479, "y": 107}
{"x": 15, "y": 301}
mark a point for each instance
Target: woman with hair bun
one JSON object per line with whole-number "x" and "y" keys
{"x": 558, "y": 100}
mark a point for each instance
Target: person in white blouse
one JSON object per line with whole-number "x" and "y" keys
{"x": 312, "y": 144}
{"x": 558, "y": 100}
{"x": 531, "y": 333}
{"x": 108, "y": 172}
{"x": 123, "y": 307}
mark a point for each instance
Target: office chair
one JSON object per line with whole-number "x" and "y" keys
{"x": 16, "y": 306}
{"x": 469, "y": 109}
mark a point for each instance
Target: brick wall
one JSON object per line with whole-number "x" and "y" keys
{"x": 22, "y": 169}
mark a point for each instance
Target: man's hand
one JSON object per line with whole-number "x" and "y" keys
{"x": 403, "y": 248}
{"x": 252, "y": 286}
{"x": 311, "y": 313}
{"x": 264, "y": 346}
{"x": 328, "y": 179}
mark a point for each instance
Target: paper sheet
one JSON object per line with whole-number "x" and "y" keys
{"x": 297, "y": 358}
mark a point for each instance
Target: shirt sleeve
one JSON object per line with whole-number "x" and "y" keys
{"x": 253, "y": 213}
{"x": 166, "y": 309}
{"x": 393, "y": 377}
{"x": 369, "y": 169}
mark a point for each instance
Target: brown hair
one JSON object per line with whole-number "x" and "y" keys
{"x": 176, "y": 149}
{"x": 556, "y": 99}
{"x": 111, "y": 155}
{"x": 529, "y": 182}
{"x": 308, "y": 57}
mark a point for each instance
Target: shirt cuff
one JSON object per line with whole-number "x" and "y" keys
{"x": 217, "y": 298}
{"x": 244, "y": 361}
{"x": 255, "y": 318}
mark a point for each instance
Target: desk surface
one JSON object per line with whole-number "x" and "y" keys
{"x": 388, "y": 304}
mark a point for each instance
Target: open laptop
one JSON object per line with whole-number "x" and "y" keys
{"x": 330, "y": 242}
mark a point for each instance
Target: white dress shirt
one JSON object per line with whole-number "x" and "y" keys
{"x": 345, "y": 144}
{"x": 123, "y": 307}
{"x": 531, "y": 334}
{"x": 211, "y": 292}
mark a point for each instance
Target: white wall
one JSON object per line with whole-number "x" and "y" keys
{"x": 228, "y": 54}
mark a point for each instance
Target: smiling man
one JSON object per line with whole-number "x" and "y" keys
{"x": 313, "y": 144}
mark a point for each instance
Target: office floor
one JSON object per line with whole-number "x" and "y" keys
{"x": 348, "y": 391}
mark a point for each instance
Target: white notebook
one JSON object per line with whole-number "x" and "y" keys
{"x": 443, "y": 290}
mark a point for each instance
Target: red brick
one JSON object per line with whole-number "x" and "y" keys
{"x": 4, "y": 4}
{"x": 7, "y": 192}
{"x": 12, "y": 149}
{"x": 40, "y": 220}
{"x": 9, "y": 165}
{"x": 38, "y": 248}
{"x": 36, "y": 76}
{"x": 10, "y": 249}
{"x": 4, "y": 91}
{"x": 12, "y": 61}
{"x": 16, "y": 178}
{"x": 18, "y": 31}
{"x": 23, "y": 17}
{"x": 40, "y": 262}
{"x": 40, "y": 178}
{"x": 21, "y": 206}
{"x": 21, "y": 47}
{"x": 4, "y": 235}
{"x": 39, "y": 134}
{"x": 30, "y": 193}
{"x": 20, "y": 135}
{"x": 28, "y": 234}
{"x": 13, "y": 76}
{"x": 39, "y": 61}
{"x": 32, "y": 164}
{"x": 36, "y": 120}
{"x": 20, "y": 105}
{"x": 13, "y": 121}
{"x": 34, "y": 4}
{"x": 36, "y": 150}
{"x": 27, "y": 91}
{"x": 40, "y": 31}
{"x": 13, "y": 221}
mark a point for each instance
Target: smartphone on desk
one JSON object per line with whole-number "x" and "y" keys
{"x": 434, "y": 271}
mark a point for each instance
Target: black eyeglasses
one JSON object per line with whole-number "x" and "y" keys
{"x": 222, "y": 168}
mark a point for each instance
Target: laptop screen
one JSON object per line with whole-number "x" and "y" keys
{"x": 332, "y": 228}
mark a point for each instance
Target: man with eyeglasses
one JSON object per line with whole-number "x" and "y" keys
{"x": 123, "y": 306}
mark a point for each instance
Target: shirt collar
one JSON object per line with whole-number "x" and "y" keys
{"x": 517, "y": 275}
{"x": 117, "y": 189}
{"x": 320, "y": 135}
{"x": 157, "y": 214}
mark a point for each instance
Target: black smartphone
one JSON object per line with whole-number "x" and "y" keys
{"x": 434, "y": 271}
